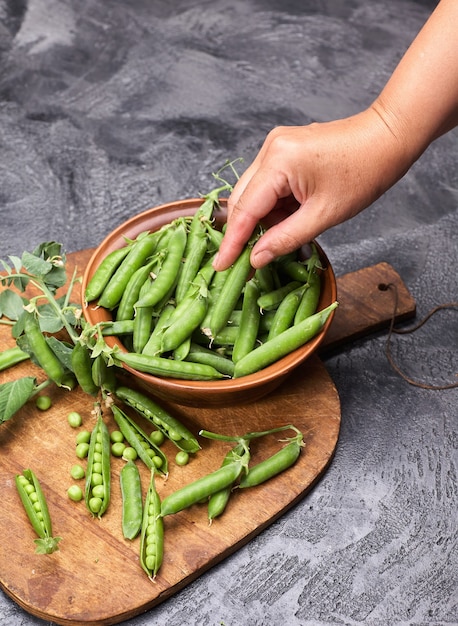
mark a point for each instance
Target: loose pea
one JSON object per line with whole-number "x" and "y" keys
{"x": 43, "y": 403}
{"x": 82, "y": 450}
{"x": 182, "y": 458}
{"x": 77, "y": 472}
{"x": 74, "y": 419}
{"x": 129, "y": 454}
{"x": 116, "y": 436}
{"x": 75, "y": 493}
{"x": 84, "y": 436}
{"x": 117, "y": 449}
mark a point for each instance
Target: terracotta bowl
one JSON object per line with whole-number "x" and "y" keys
{"x": 216, "y": 393}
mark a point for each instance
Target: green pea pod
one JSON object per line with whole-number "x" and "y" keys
{"x": 126, "y": 310}
{"x": 104, "y": 377}
{"x": 249, "y": 323}
{"x": 168, "y": 368}
{"x": 272, "y": 300}
{"x": 104, "y": 272}
{"x": 310, "y": 297}
{"x": 45, "y": 356}
{"x": 153, "y": 345}
{"x": 143, "y": 247}
{"x": 217, "y": 502}
{"x": 187, "y": 316}
{"x": 206, "y": 356}
{"x": 131, "y": 496}
{"x": 171, "y": 427}
{"x": 285, "y": 313}
{"x": 283, "y": 344}
{"x": 231, "y": 291}
{"x": 12, "y": 356}
{"x": 202, "y": 488}
{"x": 151, "y": 455}
{"x": 123, "y": 327}
{"x": 167, "y": 275}
{"x": 152, "y": 532}
{"x": 275, "y": 464}
{"x": 98, "y": 473}
{"x": 82, "y": 368}
{"x": 36, "y": 507}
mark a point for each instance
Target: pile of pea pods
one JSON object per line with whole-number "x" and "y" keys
{"x": 179, "y": 318}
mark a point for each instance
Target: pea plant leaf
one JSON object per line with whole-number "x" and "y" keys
{"x": 11, "y": 305}
{"x": 13, "y": 396}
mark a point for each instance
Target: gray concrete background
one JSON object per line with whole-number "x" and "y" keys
{"x": 108, "y": 108}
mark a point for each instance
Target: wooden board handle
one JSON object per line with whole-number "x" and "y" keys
{"x": 366, "y": 304}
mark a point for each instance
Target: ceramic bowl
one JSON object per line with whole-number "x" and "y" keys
{"x": 216, "y": 393}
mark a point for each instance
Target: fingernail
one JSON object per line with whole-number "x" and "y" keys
{"x": 263, "y": 257}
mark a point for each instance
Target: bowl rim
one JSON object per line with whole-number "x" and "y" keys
{"x": 269, "y": 374}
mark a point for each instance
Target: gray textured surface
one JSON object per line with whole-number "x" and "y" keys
{"x": 107, "y": 108}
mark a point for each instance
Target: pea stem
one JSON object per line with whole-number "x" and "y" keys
{"x": 253, "y": 435}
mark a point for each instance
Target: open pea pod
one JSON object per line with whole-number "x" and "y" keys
{"x": 151, "y": 455}
{"x": 98, "y": 474}
{"x": 36, "y": 507}
{"x": 171, "y": 427}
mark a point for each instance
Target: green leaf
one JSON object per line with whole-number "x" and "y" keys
{"x": 35, "y": 265}
{"x": 13, "y": 396}
{"x": 62, "y": 350}
{"x": 50, "y": 321}
{"x": 11, "y": 304}
{"x": 47, "y": 545}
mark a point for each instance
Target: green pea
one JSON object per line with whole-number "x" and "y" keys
{"x": 157, "y": 437}
{"x": 182, "y": 458}
{"x": 117, "y": 449}
{"x": 116, "y": 436}
{"x": 43, "y": 403}
{"x": 82, "y": 450}
{"x": 75, "y": 493}
{"x": 98, "y": 491}
{"x": 77, "y": 472}
{"x": 95, "y": 504}
{"x": 129, "y": 454}
{"x": 74, "y": 419}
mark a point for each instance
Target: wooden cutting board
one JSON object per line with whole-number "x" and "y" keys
{"x": 95, "y": 577}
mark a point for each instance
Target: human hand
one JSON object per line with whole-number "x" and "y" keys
{"x": 307, "y": 179}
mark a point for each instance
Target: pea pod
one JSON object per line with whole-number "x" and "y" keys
{"x": 217, "y": 502}
{"x": 159, "y": 366}
{"x": 167, "y": 275}
{"x": 82, "y": 368}
{"x": 273, "y": 465}
{"x": 153, "y": 345}
{"x": 187, "y": 316}
{"x": 273, "y": 299}
{"x": 131, "y": 496}
{"x": 152, "y": 532}
{"x": 231, "y": 291}
{"x": 249, "y": 323}
{"x": 140, "y": 251}
{"x": 204, "y": 355}
{"x": 98, "y": 473}
{"x": 103, "y": 376}
{"x": 143, "y": 320}
{"x": 310, "y": 297}
{"x": 151, "y": 455}
{"x": 36, "y": 507}
{"x": 45, "y": 356}
{"x": 172, "y": 428}
{"x": 285, "y": 313}
{"x": 283, "y": 344}
{"x": 104, "y": 272}
{"x": 12, "y": 356}
{"x": 122, "y": 327}
{"x": 202, "y": 488}
{"x": 126, "y": 310}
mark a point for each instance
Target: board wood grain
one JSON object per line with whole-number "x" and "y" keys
{"x": 95, "y": 577}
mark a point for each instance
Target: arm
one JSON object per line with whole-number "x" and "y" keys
{"x": 307, "y": 179}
